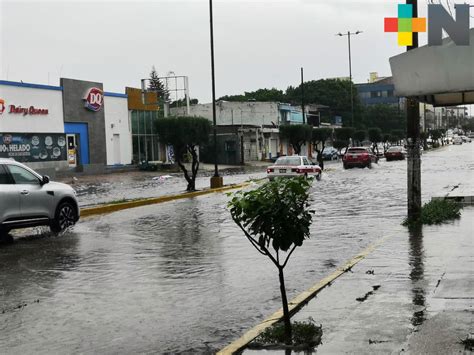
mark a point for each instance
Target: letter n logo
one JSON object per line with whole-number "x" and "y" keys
{"x": 439, "y": 20}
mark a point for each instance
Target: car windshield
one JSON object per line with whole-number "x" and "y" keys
{"x": 294, "y": 161}
{"x": 328, "y": 150}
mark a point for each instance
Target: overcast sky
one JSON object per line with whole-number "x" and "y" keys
{"x": 259, "y": 43}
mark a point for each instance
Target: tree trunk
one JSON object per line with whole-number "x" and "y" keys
{"x": 194, "y": 167}
{"x": 296, "y": 148}
{"x": 286, "y": 313}
{"x": 191, "y": 182}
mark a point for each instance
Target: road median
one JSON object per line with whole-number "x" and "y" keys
{"x": 114, "y": 207}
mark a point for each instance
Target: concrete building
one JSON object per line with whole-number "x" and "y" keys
{"x": 379, "y": 91}
{"x": 248, "y": 131}
{"x": 72, "y": 126}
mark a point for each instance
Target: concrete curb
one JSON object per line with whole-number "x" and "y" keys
{"x": 109, "y": 208}
{"x": 298, "y": 302}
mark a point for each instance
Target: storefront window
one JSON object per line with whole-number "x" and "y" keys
{"x": 134, "y": 122}
{"x": 149, "y": 123}
{"x": 136, "y": 151}
{"x": 145, "y": 138}
{"x": 141, "y": 128}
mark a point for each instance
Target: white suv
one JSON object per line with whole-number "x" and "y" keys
{"x": 28, "y": 199}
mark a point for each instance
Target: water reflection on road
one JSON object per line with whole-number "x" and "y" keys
{"x": 181, "y": 277}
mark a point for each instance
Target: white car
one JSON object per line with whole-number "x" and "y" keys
{"x": 466, "y": 139}
{"x": 457, "y": 140}
{"x": 28, "y": 199}
{"x": 293, "y": 166}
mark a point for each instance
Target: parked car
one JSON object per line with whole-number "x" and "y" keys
{"x": 359, "y": 156}
{"x": 291, "y": 166}
{"x": 466, "y": 139}
{"x": 29, "y": 199}
{"x": 457, "y": 140}
{"x": 395, "y": 153}
{"x": 330, "y": 153}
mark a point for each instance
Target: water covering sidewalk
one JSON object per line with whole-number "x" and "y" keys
{"x": 413, "y": 294}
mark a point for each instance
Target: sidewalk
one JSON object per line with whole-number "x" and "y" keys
{"x": 413, "y": 294}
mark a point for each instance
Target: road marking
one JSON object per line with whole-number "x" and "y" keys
{"x": 299, "y": 301}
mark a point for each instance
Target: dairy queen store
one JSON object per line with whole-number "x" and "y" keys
{"x": 75, "y": 126}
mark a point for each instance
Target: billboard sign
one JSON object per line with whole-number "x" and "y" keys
{"x": 33, "y": 147}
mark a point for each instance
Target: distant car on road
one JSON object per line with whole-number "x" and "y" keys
{"x": 330, "y": 153}
{"x": 359, "y": 156}
{"x": 28, "y": 199}
{"x": 293, "y": 166}
{"x": 466, "y": 139}
{"x": 395, "y": 153}
{"x": 457, "y": 140}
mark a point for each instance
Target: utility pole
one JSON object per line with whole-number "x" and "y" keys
{"x": 216, "y": 180}
{"x": 413, "y": 140}
{"x": 302, "y": 95}
{"x": 348, "y": 34}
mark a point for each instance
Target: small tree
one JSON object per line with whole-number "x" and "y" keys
{"x": 320, "y": 136}
{"x": 399, "y": 135}
{"x": 296, "y": 134}
{"x": 185, "y": 134}
{"x": 267, "y": 216}
{"x": 344, "y": 134}
{"x": 359, "y": 136}
{"x": 157, "y": 85}
{"x": 375, "y": 136}
{"x": 424, "y": 138}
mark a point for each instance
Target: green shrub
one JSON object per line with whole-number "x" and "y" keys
{"x": 437, "y": 212}
{"x": 306, "y": 335}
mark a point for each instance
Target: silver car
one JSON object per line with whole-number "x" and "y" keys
{"x": 28, "y": 199}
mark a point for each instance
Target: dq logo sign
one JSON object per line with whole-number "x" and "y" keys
{"x": 94, "y": 99}
{"x": 438, "y": 20}
{"x": 2, "y": 106}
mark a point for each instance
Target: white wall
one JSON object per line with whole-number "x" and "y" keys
{"x": 117, "y": 122}
{"x": 25, "y": 97}
{"x": 236, "y": 113}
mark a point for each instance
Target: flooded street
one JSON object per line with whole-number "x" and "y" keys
{"x": 180, "y": 276}
{"x": 93, "y": 190}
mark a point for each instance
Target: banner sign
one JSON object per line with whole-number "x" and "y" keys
{"x": 33, "y": 147}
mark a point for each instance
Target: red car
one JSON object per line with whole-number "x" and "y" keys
{"x": 395, "y": 153}
{"x": 359, "y": 156}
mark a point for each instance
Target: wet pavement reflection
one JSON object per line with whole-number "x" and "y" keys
{"x": 180, "y": 277}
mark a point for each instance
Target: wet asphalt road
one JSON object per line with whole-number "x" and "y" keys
{"x": 180, "y": 277}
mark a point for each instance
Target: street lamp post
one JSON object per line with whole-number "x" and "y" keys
{"x": 348, "y": 34}
{"x": 216, "y": 180}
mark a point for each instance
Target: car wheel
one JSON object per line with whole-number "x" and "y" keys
{"x": 4, "y": 236}
{"x": 345, "y": 166}
{"x": 65, "y": 217}
{"x": 369, "y": 165}
{"x": 318, "y": 177}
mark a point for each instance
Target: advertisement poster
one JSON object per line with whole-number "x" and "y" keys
{"x": 33, "y": 147}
